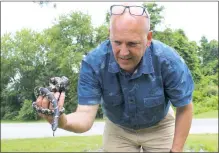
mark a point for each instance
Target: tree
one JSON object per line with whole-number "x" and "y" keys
{"x": 209, "y": 55}
{"x": 209, "y": 50}
{"x": 67, "y": 41}
{"x": 101, "y": 34}
{"x": 21, "y": 60}
{"x": 155, "y": 12}
{"x": 36, "y": 57}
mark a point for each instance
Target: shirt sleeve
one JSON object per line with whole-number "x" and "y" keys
{"x": 178, "y": 82}
{"x": 89, "y": 91}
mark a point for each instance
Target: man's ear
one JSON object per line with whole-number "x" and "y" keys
{"x": 149, "y": 38}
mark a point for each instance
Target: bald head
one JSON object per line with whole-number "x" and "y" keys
{"x": 126, "y": 20}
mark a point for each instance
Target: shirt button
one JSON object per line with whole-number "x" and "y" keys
{"x": 131, "y": 101}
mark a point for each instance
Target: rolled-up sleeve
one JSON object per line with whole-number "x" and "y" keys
{"x": 178, "y": 81}
{"x": 89, "y": 92}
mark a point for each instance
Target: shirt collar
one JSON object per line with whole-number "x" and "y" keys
{"x": 113, "y": 65}
{"x": 144, "y": 67}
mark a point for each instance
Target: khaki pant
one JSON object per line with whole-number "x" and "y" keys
{"x": 158, "y": 138}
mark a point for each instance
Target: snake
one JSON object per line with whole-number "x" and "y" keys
{"x": 56, "y": 84}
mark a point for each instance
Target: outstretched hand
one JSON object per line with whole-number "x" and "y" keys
{"x": 43, "y": 102}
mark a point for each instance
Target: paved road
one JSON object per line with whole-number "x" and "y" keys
{"x": 39, "y": 130}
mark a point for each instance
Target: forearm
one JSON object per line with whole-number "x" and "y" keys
{"x": 182, "y": 127}
{"x": 77, "y": 122}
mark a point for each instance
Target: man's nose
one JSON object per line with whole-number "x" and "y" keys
{"x": 124, "y": 50}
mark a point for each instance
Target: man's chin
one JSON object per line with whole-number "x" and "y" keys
{"x": 126, "y": 68}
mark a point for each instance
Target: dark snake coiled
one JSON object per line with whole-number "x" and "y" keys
{"x": 56, "y": 84}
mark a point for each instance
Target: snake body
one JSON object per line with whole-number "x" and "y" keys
{"x": 56, "y": 84}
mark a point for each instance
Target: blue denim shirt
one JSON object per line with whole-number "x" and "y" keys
{"x": 139, "y": 100}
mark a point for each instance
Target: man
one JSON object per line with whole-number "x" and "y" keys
{"x": 135, "y": 79}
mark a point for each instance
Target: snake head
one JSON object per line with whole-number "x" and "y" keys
{"x": 59, "y": 84}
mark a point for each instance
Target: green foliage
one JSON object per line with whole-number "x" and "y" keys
{"x": 8, "y": 61}
{"x": 155, "y": 12}
{"x": 211, "y": 68}
{"x": 210, "y": 91}
{"x": 31, "y": 58}
{"x": 10, "y": 104}
{"x": 101, "y": 34}
{"x": 26, "y": 112}
{"x": 197, "y": 96}
{"x": 205, "y": 96}
{"x": 10, "y": 115}
{"x": 205, "y": 104}
{"x": 207, "y": 81}
{"x": 75, "y": 30}
{"x": 208, "y": 50}
{"x": 107, "y": 18}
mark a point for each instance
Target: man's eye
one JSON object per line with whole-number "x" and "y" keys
{"x": 117, "y": 42}
{"x": 132, "y": 44}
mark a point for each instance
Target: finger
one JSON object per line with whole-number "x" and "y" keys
{"x": 39, "y": 101}
{"x": 50, "y": 106}
{"x": 48, "y": 118}
{"x": 61, "y": 100}
{"x": 56, "y": 95}
{"x": 45, "y": 102}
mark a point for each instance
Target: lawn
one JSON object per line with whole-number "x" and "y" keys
{"x": 207, "y": 142}
{"x": 56, "y": 144}
{"x": 210, "y": 114}
{"x": 92, "y": 143}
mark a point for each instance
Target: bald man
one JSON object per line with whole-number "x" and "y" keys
{"x": 135, "y": 79}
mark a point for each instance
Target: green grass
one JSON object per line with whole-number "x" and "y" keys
{"x": 92, "y": 143}
{"x": 57, "y": 144}
{"x": 208, "y": 142}
{"x": 210, "y": 114}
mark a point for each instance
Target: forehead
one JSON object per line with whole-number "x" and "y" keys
{"x": 127, "y": 22}
{"x": 126, "y": 36}
{"x": 127, "y": 32}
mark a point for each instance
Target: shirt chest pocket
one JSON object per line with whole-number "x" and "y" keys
{"x": 113, "y": 106}
{"x": 153, "y": 110}
{"x": 112, "y": 100}
{"x": 154, "y": 96}
{"x": 151, "y": 102}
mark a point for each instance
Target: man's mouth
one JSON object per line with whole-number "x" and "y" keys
{"x": 125, "y": 59}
